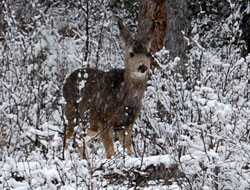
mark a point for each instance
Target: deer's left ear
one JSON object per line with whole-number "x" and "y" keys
{"x": 125, "y": 34}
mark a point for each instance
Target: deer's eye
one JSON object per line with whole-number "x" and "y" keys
{"x": 131, "y": 54}
{"x": 148, "y": 54}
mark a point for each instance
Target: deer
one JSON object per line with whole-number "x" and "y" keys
{"x": 113, "y": 99}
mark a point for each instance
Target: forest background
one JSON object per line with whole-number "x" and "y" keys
{"x": 193, "y": 131}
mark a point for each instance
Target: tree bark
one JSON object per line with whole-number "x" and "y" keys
{"x": 172, "y": 24}
{"x": 245, "y": 27}
{"x": 153, "y": 11}
{"x": 2, "y": 22}
{"x": 179, "y": 23}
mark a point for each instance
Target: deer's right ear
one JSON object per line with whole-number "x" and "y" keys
{"x": 147, "y": 34}
{"x": 125, "y": 34}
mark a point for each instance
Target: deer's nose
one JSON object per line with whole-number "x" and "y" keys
{"x": 142, "y": 68}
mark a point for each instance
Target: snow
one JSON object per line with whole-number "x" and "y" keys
{"x": 152, "y": 160}
{"x": 200, "y": 124}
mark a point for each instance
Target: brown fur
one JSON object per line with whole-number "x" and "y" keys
{"x": 112, "y": 99}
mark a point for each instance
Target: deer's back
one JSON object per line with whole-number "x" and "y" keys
{"x": 88, "y": 83}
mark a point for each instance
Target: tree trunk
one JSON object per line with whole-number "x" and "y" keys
{"x": 245, "y": 26}
{"x": 171, "y": 18}
{"x": 178, "y": 27}
{"x": 2, "y": 22}
{"x": 178, "y": 23}
{"x": 153, "y": 11}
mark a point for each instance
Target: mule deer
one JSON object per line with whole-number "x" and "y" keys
{"x": 113, "y": 99}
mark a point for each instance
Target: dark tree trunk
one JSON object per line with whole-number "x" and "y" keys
{"x": 178, "y": 23}
{"x": 2, "y": 22}
{"x": 172, "y": 25}
{"x": 245, "y": 26}
{"x": 153, "y": 11}
{"x": 178, "y": 27}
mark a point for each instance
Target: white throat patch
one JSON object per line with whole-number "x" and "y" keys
{"x": 138, "y": 75}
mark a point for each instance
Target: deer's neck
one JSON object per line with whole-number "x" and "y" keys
{"x": 134, "y": 88}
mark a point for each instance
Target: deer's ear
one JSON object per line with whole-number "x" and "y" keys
{"x": 146, "y": 33}
{"x": 125, "y": 34}
{"x": 149, "y": 36}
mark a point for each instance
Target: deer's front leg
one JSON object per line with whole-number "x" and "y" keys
{"x": 69, "y": 131}
{"x": 107, "y": 139}
{"x": 125, "y": 137}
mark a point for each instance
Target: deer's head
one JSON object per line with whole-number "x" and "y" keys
{"x": 137, "y": 57}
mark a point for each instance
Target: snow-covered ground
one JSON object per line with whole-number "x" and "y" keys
{"x": 197, "y": 127}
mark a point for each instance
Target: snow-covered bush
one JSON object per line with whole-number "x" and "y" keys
{"x": 192, "y": 133}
